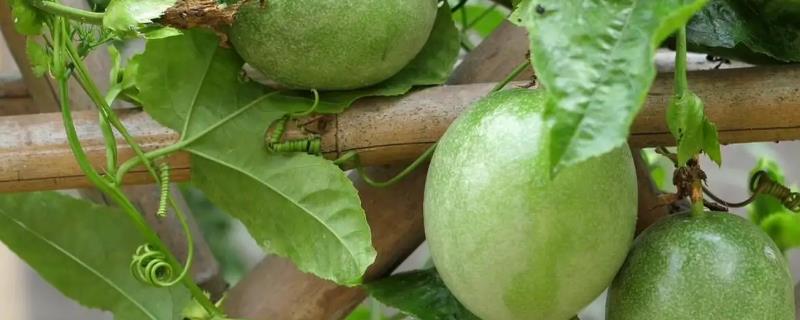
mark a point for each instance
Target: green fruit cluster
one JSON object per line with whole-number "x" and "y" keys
{"x": 513, "y": 244}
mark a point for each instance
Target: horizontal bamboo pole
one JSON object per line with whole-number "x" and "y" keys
{"x": 748, "y": 105}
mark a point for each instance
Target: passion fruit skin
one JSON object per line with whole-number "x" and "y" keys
{"x": 332, "y": 44}
{"x": 511, "y": 243}
{"x": 716, "y": 266}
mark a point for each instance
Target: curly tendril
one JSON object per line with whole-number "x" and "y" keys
{"x": 163, "y": 201}
{"x": 762, "y": 184}
{"x": 353, "y": 159}
{"x": 274, "y": 139}
{"x": 312, "y": 146}
{"x": 150, "y": 266}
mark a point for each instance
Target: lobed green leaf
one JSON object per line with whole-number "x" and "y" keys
{"x": 595, "y": 58}
{"x": 84, "y": 250}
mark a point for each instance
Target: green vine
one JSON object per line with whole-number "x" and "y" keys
{"x": 67, "y": 62}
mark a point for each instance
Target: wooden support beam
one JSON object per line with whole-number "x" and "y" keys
{"x": 748, "y": 105}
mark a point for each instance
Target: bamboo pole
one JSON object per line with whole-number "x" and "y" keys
{"x": 748, "y": 105}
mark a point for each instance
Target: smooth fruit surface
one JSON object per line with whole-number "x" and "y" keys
{"x": 716, "y": 266}
{"x": 332, "y": 44}
{"x": 509, "y": 242}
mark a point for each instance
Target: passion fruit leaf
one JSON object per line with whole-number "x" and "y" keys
{"x": 746, "y": 30}
{"x": 84, "y": 250}
{"x": 432, "y": 66}
{"x": 420, "y": 294}
{"x": 689, "y": 125}
{"x": 28, "y": 20}
{"x": 126, "y": 15}
{"x": 295, "y": 205}
{"x": 595, "y": 58}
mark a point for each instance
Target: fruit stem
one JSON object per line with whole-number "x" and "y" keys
{"x": 698, "y": 208}
{"x": 698, "y": 205}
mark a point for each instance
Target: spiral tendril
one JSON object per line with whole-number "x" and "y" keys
{"x": 311, "y": 145}
{"x": 163, "y": 201}
{"x": 279, "y": 128}
{"x": 150, "y": 266}
{"x": 762, "y": 184}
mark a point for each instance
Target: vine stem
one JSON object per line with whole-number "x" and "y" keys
{"x": 352, "y": 156}
{"x": 681, "y": 80}
{"x": 681, "y": 90}
{"x": 68, "y": 12}
{"x": 83, "y": 77}
{"x": 62, "y": 44}
{"x": 698, "y": 206}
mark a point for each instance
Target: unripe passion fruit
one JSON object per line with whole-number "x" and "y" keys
{"x": 511, "y": 243}
{"x": 715, "y": 266}
{"x": 332, "y": 44}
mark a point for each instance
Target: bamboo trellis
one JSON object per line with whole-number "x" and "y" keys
{"x": 748, "y": 105}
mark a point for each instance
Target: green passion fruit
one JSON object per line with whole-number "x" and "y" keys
{"x": 509, "y": 241}
{"x": 713, "y": 266}
{"x": 331, "y": 44}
